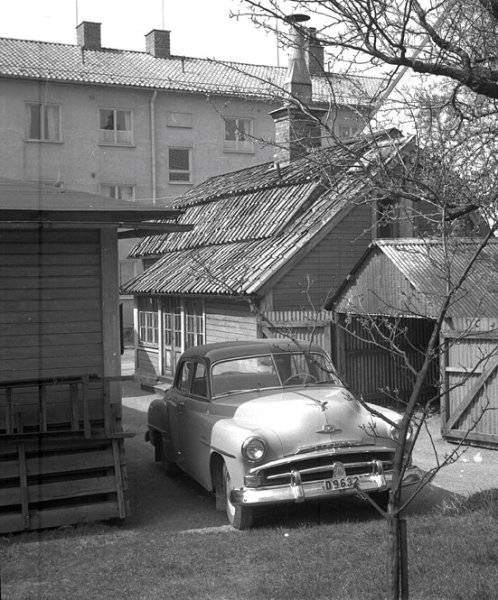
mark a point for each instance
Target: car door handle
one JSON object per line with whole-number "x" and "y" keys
{"x": 180, "y": 408}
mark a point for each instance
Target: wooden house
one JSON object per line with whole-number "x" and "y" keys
{"x": 61, "y": 439}
{"x": 268, "y": 240}
{"x": 407, "y": 280}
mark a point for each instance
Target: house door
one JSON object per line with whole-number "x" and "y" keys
{"x": 172, "y": 335}
{"x": 470, "y": 402}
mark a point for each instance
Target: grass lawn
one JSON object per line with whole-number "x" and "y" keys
{"x": 452, "y": 556}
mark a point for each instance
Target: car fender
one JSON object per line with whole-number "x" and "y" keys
{"x": 227, "y": 438}
{"x": 157, "y": 415}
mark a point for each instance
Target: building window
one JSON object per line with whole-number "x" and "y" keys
{"x": 238, "y": 135}
{"x": 183, "y": 327}
{"x": 147, "y": 321}
{"x": 179, "y": 165}
{"x": 43, "y": 122}
{"x": 118, "y": 191}
{"x": 116, "y": 127}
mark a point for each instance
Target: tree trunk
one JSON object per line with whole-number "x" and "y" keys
{"x": 394, "y": 556}
{"x": 398, "y": 558}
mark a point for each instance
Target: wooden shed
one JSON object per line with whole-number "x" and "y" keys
{"x": 61, "y": 437}
{"x": 407, "y": 280}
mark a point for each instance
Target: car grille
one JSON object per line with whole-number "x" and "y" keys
{"x": 321, "y": 467}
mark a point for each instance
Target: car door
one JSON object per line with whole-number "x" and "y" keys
{"x": 197, "y": 425}
{"x": 177, "y": 397}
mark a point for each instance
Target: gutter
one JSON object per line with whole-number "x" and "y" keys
{"x": 153, "y": 145}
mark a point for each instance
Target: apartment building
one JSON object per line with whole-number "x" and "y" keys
{"x": 146, "y": 125}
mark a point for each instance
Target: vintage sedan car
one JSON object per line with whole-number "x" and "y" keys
{"x": 266, "y": 422}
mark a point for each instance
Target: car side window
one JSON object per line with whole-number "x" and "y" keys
{"x": 183, "y": 382}
{"x": 199, "y": 381}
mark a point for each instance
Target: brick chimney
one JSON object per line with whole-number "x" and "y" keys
{"x": 157, "y": 43}
{"x": 297, "y": 123}
{"x": 88, "y": 35}
{"x": 315, "y": 53}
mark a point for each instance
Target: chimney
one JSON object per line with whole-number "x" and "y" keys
{"x": 88, "y": 35}
{"x": 315, "y": 54}
{"x": 297, "y": 129}
{"x": 157, "y": 43}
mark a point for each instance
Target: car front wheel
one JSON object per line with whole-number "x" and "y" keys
{"x": 239, "y": 516}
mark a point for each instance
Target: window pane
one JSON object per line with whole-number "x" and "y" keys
{"x": 199, "y": 382}
{"x": 123, "y": 120}
{"x": 242, "y": 129}
{"x": 106, "y": 119}
{"x": 51, "y": 125}
{"x": 179, "y": 159}
{"x": 125, "y": 192}
{"x": 108, "y": 190}
{"x": 230, "y": 129}
{"x": 34, "y": 111}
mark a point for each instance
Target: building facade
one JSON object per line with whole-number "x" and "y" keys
{"x": 145, "y": 126}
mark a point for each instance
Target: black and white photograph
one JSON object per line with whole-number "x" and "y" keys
{"x": 249, "y": 300}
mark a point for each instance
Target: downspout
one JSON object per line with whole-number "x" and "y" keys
{"x": 153, "y": 145}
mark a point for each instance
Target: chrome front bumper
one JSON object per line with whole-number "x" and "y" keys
{"x": 299, "y": 491}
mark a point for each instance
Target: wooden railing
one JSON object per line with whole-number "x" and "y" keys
{"x": 80, "y": 421}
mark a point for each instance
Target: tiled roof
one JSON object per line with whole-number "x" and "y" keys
{"x": 69, "y": 63}
{"x": 249, "y": 223}
{"x": 429, "y": 267}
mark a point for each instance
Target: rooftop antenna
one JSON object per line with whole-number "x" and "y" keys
{"x": 162, "y": 14}
{"x": 76, "y": 9}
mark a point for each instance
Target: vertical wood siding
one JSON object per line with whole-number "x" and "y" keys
{"x": 327, "y": 264}
{"x": 229, "y": 321}
{"x": 471, "y": 381}
{"x": 302, "y": 325}
{"x": 376, "y": 373}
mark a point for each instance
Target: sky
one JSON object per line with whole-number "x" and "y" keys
{"x": 201, "y": 28}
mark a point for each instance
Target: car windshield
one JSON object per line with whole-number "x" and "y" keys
{"x": 283, "y": 369}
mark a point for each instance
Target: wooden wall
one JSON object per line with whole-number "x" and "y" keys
{"x": 50, "y": 304}
{"x": 227, "y": 321}
{"x": 327, "y": 264}
{"x": 57, "y": 318}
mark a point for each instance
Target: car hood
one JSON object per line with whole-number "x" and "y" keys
{"x": 307, "y": 417}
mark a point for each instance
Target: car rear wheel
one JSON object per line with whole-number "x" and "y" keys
{"x": 239, "y": 516}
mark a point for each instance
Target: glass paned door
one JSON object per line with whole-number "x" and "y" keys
{"x": 172, "y": 335}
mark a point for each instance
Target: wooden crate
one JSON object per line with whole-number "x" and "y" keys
{"x": 54, "y": 480}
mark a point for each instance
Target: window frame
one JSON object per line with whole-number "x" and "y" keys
{"x": 236, "y": 146}
{"x": 154, "y": 314}
{"x": 117, "y": 186}
{"x": 102, "y": 142}
{"x": 42, "y": 106}
{"x": 166, "y": 305}
{"x": 190, "y": 170}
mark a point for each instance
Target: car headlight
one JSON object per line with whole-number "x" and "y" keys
{"x": 394, "y": 432}
{"x": 254, "y": 449}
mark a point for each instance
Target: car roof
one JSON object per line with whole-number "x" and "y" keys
{"x": 225, "y": 350}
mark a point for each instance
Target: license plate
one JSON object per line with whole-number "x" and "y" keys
{"x": 339, "y": 483}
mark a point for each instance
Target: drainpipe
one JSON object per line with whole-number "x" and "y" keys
{"x": 153, "y": 144}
